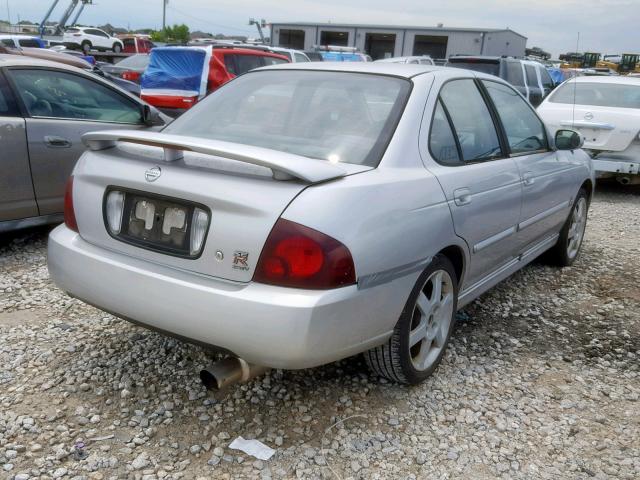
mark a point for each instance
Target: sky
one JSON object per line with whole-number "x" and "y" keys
{"x": 605, "y": 26}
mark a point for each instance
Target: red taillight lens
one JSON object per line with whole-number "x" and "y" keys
{"x": 300, "y": 257}
{"x": 69, "y": 213}
{"x": 131, "y": 76}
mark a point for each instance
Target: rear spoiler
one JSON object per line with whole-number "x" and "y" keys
{"x": 285, "y": 166}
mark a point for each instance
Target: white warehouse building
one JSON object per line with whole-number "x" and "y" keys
{"x": 384, "y": 41}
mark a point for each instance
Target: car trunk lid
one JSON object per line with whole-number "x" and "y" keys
{"x": 244, "y": 188}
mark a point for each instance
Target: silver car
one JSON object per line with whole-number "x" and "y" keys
{"x": 45, "y": 108}
{"x": 304, "y": 214}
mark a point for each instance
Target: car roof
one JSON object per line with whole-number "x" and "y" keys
{"x": 619, "y": 79}
{"x": 7, "y": 60}
{"x": 405, "y": 70}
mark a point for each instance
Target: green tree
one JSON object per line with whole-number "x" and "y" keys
{"x": 172, "y": 34}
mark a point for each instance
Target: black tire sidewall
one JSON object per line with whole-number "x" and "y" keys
{"x": 117, "y": 48}
{"x": 413, "y": 376}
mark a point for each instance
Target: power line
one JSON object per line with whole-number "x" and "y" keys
{"x": 206, "y": 22}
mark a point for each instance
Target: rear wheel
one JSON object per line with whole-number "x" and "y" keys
{"x": 117, "y": 48}
{"x": 86, "y": 46}
{"x": 567, "y": 249}
{"x": 422, "y": 333}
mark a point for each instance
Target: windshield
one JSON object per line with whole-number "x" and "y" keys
{"x": 598, "y": 94}
{"x": 335, "y": 116}
{"x": 490, "y": 67}
{"x": 134, "y": 61}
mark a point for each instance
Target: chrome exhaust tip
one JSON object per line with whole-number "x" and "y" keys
{"x": 229, "y": 371}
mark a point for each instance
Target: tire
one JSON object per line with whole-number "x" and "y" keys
{"x": 86, "y": 46}
{"x": 567, "y": 250}
{"x": 117, "y": 48}
{"x": 428, "y": 320}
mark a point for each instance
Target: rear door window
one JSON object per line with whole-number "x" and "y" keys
{"x": 471, "y": 121}
{"x": 525, "y": 131}
{"x": 244, "y": 63}
{"x": 29, "y": 42}
{"x": 514, "y": 74}
{"x": 8, "y": 42}
{"x": 442, "y": 141}
{"x": 532, "y": 78}
{"x": 56, "y": 94}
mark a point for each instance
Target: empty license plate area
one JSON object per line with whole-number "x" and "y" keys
{"x": 156, "y": 222}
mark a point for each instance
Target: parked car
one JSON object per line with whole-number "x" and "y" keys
{"x": 313, "y": 56}
{"x": 178, "y": 77}
{"x": 421, "y": 60}
{"x": 68, "y": 51}
{"x": 130, "y": 68}
{"x": 136, "y": 44}
{"x": 294, "y": 56}
{"x": 531, "y": 79}
{"x": 87, "y": 39}
{"x": 18, "y": 41}
{"x": 45, "y": 107}
{"x": 606, "y": 112}
{"x": 305, "y": 213}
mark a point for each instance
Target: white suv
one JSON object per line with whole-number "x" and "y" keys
{"x": 87, "y": 39}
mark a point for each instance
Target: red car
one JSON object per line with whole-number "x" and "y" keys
{"x": 133, "y": 44}
{"x": 177, "y": 77}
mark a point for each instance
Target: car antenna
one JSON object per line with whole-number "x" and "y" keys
{"x": 573, "y": 109}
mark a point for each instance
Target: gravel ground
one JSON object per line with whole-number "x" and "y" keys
{"x": 542, "y": 380}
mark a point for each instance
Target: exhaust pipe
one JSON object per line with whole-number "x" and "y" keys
{"x": 228, "y": 371}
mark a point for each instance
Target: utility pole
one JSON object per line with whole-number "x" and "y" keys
{"x": 164, "y": 14}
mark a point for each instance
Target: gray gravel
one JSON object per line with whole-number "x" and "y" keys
{"x": 542, "y": 380}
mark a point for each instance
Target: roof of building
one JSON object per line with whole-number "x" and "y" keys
{"x": 398, "y": 27}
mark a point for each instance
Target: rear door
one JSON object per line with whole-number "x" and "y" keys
{"x": 481, "y": 183}
{"x": 17, "y": 199}
{"x": 547, "y": 183}
{"x": 61, "y": 106}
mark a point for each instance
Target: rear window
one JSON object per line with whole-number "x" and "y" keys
{"x": 7, "y": 42}
{"x": 129, "y": 42}
{"x": 598, "y": 94}
{"x": 134, "y": 61}
{"x": 238, "y": 64}
{"x": 29, "y": 42}
{"x": 492, "y": 67}
{"x": 334, "y": 116}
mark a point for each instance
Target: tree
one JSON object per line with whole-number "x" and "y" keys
{"x": 175, "y": 34}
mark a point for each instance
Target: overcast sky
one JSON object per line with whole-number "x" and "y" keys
{"x": 606, "y": 26}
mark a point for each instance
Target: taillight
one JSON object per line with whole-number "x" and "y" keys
{"x": 300, "y": 257}
{"x": 69, "y": 213}
{"x": 131, "y": 76}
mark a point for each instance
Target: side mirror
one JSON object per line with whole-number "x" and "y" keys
{"x": 150, "y": 116}
{"x": 568, "y": 140}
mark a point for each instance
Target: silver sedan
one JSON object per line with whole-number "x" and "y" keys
{"x": 304, "y": 214}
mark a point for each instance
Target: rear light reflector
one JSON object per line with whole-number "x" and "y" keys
{"x": 69, "y": 213}
{"x": 115, "y": 207}
{"x": 199, "y": 224}
{"x": 300, "y": 257}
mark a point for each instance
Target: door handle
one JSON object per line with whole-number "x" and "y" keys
{"x": 462, "y": 196}
{"x": 528, "y": 179}
{"x": 57, "y": 142}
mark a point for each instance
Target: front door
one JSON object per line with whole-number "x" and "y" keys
{"x": 17, "y": 199}
{"x": 482, "y": 185}
{"x": 61, "y": 107}
{"x": 547, "y": 182}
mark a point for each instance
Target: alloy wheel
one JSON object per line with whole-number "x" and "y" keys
{"x": 577, "y": 227}
{"x": 431, "y": 320}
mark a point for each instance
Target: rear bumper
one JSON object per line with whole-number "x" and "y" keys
{"x": 266, "y": 325}
{"x": 616, "y": 165}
